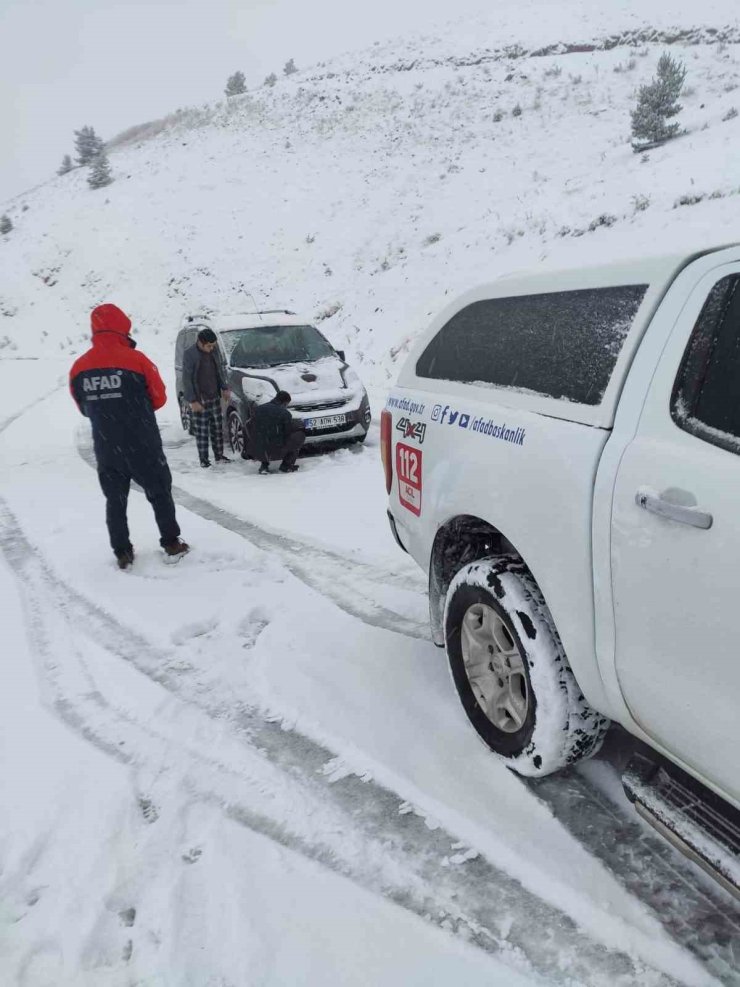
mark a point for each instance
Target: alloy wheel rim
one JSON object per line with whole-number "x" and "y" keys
{"x": 236, "y": 436}
{"x": 494, "y": 668}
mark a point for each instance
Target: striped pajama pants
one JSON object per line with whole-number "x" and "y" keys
{"x": 209, "y": 421}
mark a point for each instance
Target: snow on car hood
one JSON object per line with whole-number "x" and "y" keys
{"x": 311, "y": 383}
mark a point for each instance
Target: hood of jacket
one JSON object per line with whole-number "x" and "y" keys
{"x": 110, "y": 319}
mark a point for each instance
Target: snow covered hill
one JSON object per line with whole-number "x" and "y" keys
{"x": 363, "y": 191}
{"x": 272, "y": 781}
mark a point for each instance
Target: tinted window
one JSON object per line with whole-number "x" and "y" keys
{"x": 706, "y": 396}
{"x": 561, "y": 344}
{"x": 271, "y": 346}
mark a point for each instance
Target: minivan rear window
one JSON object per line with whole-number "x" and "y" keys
{"x": 560, "y": 344}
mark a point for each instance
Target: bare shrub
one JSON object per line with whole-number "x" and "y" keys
{"x": 605, "y": 219}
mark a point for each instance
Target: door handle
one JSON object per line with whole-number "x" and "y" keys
{"x": 673, "y": 512}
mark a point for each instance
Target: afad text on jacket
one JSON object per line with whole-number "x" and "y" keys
{"x": 119, "y": 390}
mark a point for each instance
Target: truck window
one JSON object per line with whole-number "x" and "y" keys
{"x": 560, "y": 344}
{"x": 706, "y": 395}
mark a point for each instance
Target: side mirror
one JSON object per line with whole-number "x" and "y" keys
{"x": 342, "y": 357}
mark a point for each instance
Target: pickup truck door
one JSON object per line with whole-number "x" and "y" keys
{"x": 675, "y": 548}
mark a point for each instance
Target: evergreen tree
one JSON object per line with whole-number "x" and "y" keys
{"x": 289, "y": 67}
{"x": 65, "y": 166}
{"x": 87, "y": 145}
{"x": 5, "y": 224}
{"x": 270, "y": 79}
{"x": 100, "y": 173}
{"x": 236, "y": 84}
{"x": 657, "y": 102}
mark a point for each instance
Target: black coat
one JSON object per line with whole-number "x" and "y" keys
{"x": 190, "y": 360}
{"x": 270, "y": 428}
{"x": 119, "y": 389}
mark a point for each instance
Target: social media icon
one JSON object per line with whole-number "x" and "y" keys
{"x": 436, "y": 412}
{"x": 464, "y": 420}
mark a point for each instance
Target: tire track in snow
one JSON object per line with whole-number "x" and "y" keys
{"x": 700, "y": 918}
{"x": 693, "y": 910}
{"x": 378, "y": 844}
{"x": 329, "y": 573}
{"x": 692, "y": 915}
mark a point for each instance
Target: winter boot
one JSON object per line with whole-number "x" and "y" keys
{"x": 289, "y": 469}
{"x": 175, "y": 550}
{"x": 222, "y": 459}
{"x": 264, "y": 468}
{"x": 125, "y": 557}
{"x": 205, "y": 463}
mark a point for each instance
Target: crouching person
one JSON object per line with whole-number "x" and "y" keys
{"x": 275, "y": 434}
{"x": 119, "y": 390}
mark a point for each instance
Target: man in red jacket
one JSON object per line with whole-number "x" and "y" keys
{"x": 119, "y": 390}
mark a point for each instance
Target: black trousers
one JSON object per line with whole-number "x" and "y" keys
{"x": 289, "y": 452}
{"x": 154, "y": 477}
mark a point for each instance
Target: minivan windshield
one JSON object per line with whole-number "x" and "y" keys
{"x": 271, "y": 346}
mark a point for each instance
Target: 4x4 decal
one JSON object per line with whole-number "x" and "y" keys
{"x": 412, "y": 430}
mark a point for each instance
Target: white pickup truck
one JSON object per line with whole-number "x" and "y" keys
{"x": 562, "y": 456}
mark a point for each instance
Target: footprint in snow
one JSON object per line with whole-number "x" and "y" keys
{"x": 148, "y": 809}
{"x": 199, "y": 628}
{"x": 127, "y": 917}
{"x": 193, "y": 855}
{"x": 250, "y": 628}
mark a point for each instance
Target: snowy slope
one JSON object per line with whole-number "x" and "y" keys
{"x": 370, "y": 188}
{"x": 265, "y": 773}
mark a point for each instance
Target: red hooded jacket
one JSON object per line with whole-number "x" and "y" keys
{"x": 119, "y": 390}
{"x": 112, "y": 347}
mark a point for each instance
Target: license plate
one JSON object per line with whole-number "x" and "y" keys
{"x": 329, "y": 422}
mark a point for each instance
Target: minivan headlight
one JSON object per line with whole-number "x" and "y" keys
{"x": 351, "y": 380}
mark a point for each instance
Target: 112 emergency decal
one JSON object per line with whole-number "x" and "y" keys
{"x": 408, "y": 471}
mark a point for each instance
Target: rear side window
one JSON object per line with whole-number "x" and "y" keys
{"x": 706, "y": 396}
{"x": 560, "y": 344}
{"x": 185, "y": 340}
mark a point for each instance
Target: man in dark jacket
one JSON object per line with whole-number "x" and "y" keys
{"x": 203, "y": 388}
{"x": 119, "y": 390}
{"x": 275, "y": 434}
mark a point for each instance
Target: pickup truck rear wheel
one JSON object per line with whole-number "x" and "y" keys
{"x": 511, "y": 672}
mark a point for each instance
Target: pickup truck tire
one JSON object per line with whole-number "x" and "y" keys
{"x": 511, "y": 672}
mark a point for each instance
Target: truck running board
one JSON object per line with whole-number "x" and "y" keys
{"x": 695, "y": 820}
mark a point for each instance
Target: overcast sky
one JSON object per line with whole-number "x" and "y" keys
{"x": 68, "y": 63}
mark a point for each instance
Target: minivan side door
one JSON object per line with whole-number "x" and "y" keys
{"x": 675, "y": 542}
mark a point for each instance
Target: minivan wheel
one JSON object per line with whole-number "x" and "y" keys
{"x": 511, "y": 672}
{"x": 236, "y": 432}
{"x": 186, "y": 415}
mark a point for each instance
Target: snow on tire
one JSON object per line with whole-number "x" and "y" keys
{"x": 511, "y": 672}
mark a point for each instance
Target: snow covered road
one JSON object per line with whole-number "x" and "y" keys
{"x": 227, "y": 691}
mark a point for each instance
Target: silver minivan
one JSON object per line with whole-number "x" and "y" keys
{"x": 270, "y": 351}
